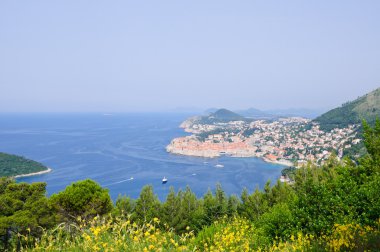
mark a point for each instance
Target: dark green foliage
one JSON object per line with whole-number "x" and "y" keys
{"x": 277, "y": 222}
{"x": 368, "y": 202}
{"x": 339, "y": 192}
{"x": 124, "y": 206}
{"x": 24, "y": 209}
{"x": 12, "y": 165}
{"x": 182, "y": 210}
{"x": 147, "y": 205}
{"x": 339, "y": 117}
{"x": 216, "y": 205}
{"x": 256, "y": 204}
{"x": 289, "y": 172}
{"x": 355, "y": 151}
{"x": 321, "y": 200}
{"x": 171, "y": 210}
{"x": 372, "y": 141}
{"x": 191, "y": 211}
{"x": 233, "y": 205}
{"x": 253, "y": 205}
{"x": 222, "y": 116}
{"x": 84, "y": 198}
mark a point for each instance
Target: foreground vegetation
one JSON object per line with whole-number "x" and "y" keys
{"x": 335, "y": 207}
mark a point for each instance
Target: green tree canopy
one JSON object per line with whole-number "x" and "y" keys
{"x": 147, "y": 205}
{"x": 24, "y": 209}
{"x": 84, "y": 199}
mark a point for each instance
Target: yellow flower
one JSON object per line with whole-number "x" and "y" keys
{"x": 86, "y": 237}
{"x": 96, "y": 231}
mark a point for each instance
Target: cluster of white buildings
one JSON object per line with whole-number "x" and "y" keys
{"x": 292, "y": 139}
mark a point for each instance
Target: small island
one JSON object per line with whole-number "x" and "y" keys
{"x": 17, "y": 166}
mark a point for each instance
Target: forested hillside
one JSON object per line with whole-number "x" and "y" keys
{"x": 12, "y": 165}
{"x": 334, "y": 207}
{"x": 221, "y": 116}
{"x": 366, "y": 107}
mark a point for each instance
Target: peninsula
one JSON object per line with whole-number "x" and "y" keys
{"x": 284, "y": 141}
{"x": 17, "y": 166}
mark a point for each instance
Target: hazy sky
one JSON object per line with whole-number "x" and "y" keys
{"x": 159, "y": 55}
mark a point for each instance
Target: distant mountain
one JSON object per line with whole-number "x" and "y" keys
{"x": 12, "y": 165}
{"x": 255, "y": 113}
{"x": 211, "y": 110}
{"x": 220, "y": 116}
{"x": 366, "y": 107}
{"x": 301, "y": 112}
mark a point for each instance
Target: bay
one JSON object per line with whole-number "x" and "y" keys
{"x": 113, "y": 148}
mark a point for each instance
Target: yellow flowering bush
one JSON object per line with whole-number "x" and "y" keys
{"x": 299, "y": 242}
{"x": 344, "y": 237}
{"x": 234, "y": 234}
{"x": 227, "y": 235}
{"x": 353, "y": 237}
{"x": 112, "y": 234}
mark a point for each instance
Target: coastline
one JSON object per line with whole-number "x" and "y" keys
{"x": 236, "y": 154}
{"x": 33, "y": 173}
{"x": 279, "y": 162}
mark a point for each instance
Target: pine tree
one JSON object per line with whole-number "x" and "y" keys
{"x": 171, "y": 209}
{"x": 147, "y": 205}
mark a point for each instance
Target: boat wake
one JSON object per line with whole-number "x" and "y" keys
{"x": 121, "y": 181}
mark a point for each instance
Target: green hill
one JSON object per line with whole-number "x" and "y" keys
{"x": 12, "y": 165}
{"x": 221, "y": 116}
{"x": 366, "y": 107}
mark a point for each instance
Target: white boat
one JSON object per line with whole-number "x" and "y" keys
{"x": 219, "y": 166}
{"x": 131, "y": 178}
{"x": 164, "y": 180}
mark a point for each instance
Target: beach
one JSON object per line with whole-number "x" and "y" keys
{"x": 33, "y": 173}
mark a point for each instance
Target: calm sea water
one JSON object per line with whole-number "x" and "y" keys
{"x": 111, "y": 149}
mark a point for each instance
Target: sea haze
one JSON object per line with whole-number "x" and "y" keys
{"x": 111, "y": 149}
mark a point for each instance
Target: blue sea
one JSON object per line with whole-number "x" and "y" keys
{"x": 111, "y": 149}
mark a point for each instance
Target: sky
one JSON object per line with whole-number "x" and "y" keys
{"x": 128, "y": 56}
